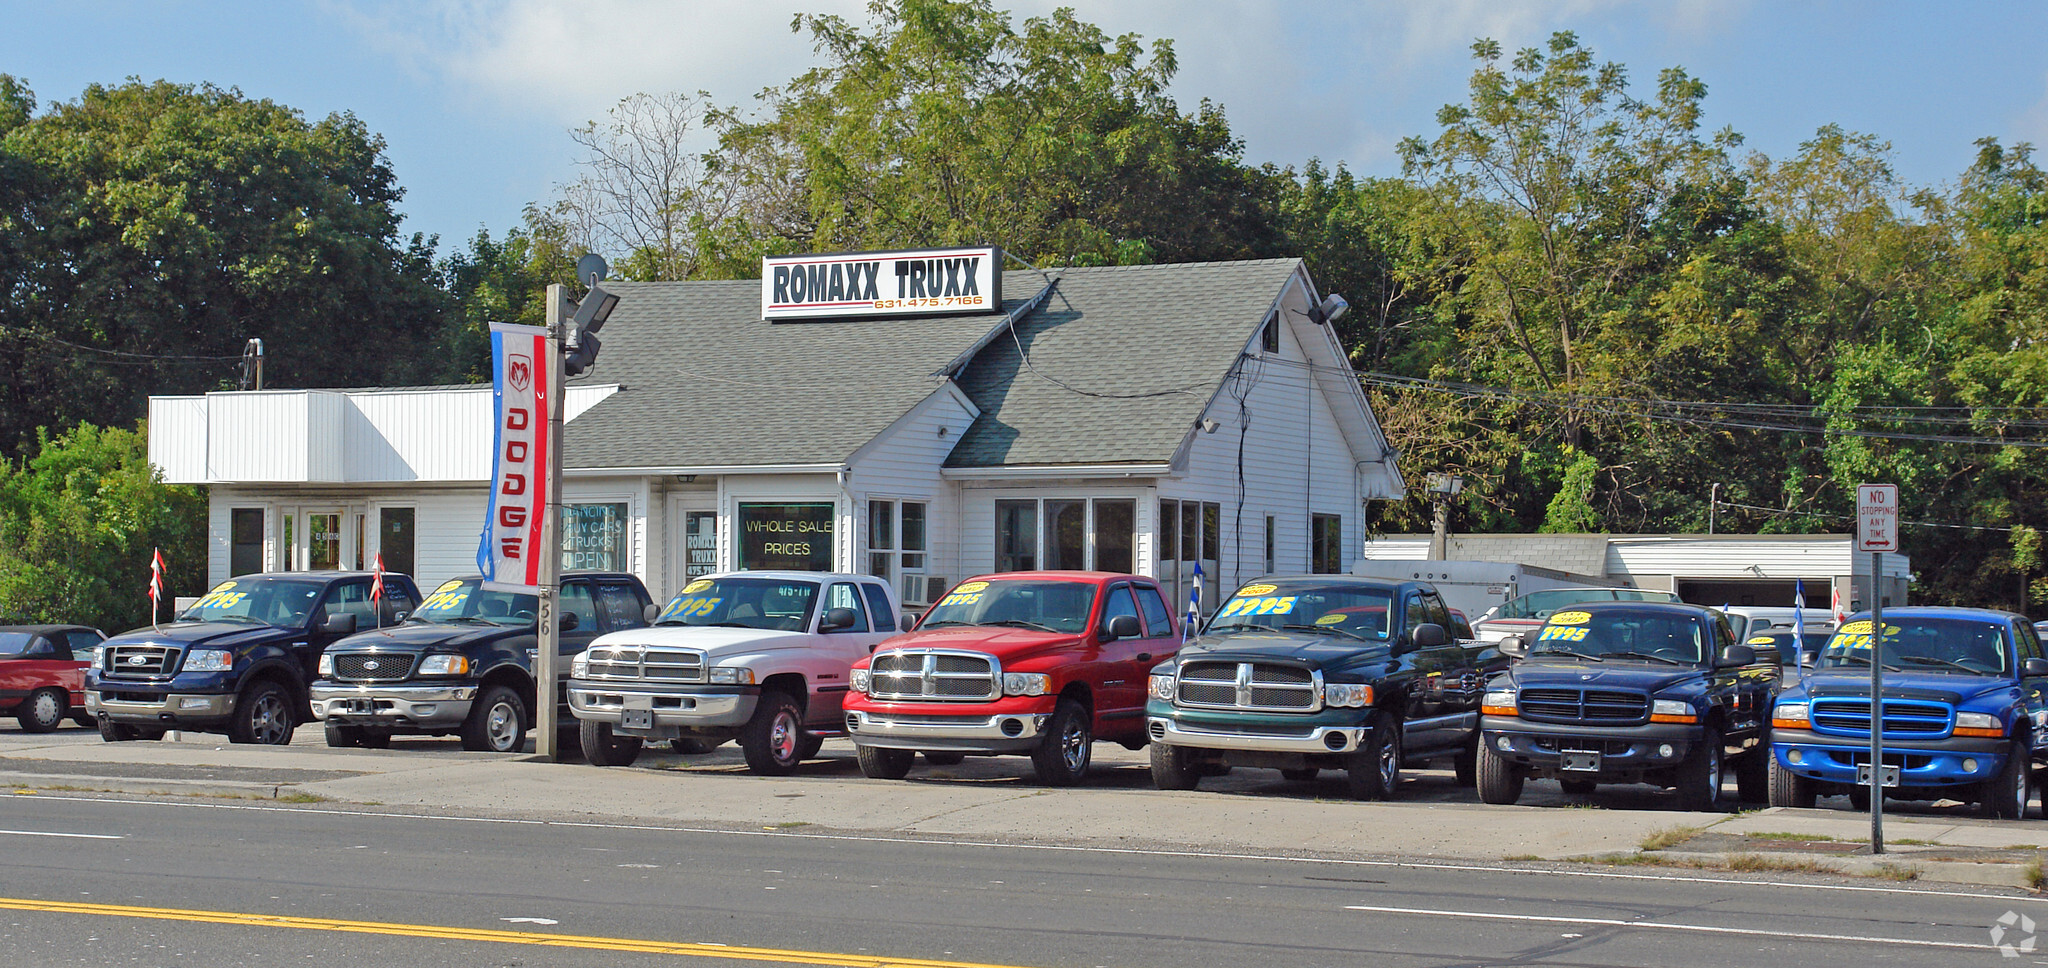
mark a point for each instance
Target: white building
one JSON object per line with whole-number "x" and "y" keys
{"x": 1706, "y": 569}
{"x": 1138, "y": 418}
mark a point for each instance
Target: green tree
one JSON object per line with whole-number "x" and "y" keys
{"x": 78, "y": 523}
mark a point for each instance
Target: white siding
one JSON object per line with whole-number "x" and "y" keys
{"x": 903, "y": 465}
{"x": 259, "y": 436}
{"x": 177, "y": 438}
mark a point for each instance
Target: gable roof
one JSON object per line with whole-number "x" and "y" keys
{"x": 1121, "y": 362}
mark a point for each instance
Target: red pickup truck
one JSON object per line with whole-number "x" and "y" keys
{"x": 42, "y": 673}
{"x": 1040, "y": 663}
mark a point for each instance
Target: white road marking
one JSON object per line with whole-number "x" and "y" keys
{"x": 531, "y": 920}
{"x": 52, "y": 833}
{"x": 2015, "y": 896}
{"x": 1668, "y": 926}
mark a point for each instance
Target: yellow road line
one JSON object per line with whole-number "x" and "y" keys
{"x": 688, "y": 949}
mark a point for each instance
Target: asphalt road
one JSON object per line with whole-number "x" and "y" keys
{"x": 106, "y": 881}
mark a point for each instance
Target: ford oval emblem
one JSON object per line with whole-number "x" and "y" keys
{"x": 138, "y": 660}
{"x": 371, "y": 665}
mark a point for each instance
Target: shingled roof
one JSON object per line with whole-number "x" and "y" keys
{"x": 1121, "y": 362}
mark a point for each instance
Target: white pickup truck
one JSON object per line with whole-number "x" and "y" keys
{"x": 757, "y": 656}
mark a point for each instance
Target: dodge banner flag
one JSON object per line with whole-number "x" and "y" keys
{"x": 509, "y": 556}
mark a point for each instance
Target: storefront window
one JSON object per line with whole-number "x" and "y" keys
{"x": 1326, "y": 544}
{"x": 1189, "y": 532}
{"x": 1115, "y": 535}
{"x": 245, "y": 541}
{"x": 786, "y": 537}
{"x": 593, "y": 537}
{"x": 323, "y": 542}
{"x": 896, "y": 547}
{"x": 1016, "y": 535}
{"x": 395, "y": 538}
{"x": 1066, "y": 535}
{"x": 700, "y": 544}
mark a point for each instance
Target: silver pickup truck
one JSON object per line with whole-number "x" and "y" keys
{"x": 755, "y": 656}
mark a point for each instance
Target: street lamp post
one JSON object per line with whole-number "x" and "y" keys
{"x": 1442, "y": 487}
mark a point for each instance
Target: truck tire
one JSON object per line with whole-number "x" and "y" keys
{"x": 1699, "y": 775}
{"x": 1374, "y": 770}
{"x": 342, "y": 736}
{"x": 1173, "y": 768}
{"x": 880, "y": 763}
{"x": 1753, "y": 775}
{"x": 497, "y": 723}
{"x": 1061, "y": 758}
{"x": 42, "y": 711}
{"x": 2005, "y": 796}
{"x": 263, "y": 715}
{"x": 1789, "y": 789}
{"x": 114, "y": 732}
{"x": 1498, "y": 780}
{"x": 807, "y": 748}
{"x": 773, "y": 739}
{"x": 601, "y": 747}
{"x": 943, "y": 758}
{"x": 1465, "y": 765}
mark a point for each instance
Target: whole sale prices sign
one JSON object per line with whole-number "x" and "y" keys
{"x": 509, "y": 555}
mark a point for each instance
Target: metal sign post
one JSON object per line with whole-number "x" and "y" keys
{"x": 1877, "y": 531}
{"x": 548, "y": 642}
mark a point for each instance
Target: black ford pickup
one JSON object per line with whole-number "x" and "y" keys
{"x": 1630, "y": 692}
{"x": 1321, "y": 671}
{"x": 463, "y": 663}
{"x": 239, "y": 660}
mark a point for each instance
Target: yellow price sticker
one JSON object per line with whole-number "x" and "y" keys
{"x": 1762, "y": 640}
{"x": 962, "y": 598}
{"x": 1258, "y": 606}
{"x": 448, "y": 586}
{"x": 972, "y": 586}
{"x": 1571, "y": 618}
{"x": 699, "y": 585}
{"x": 1562, "y": 634}
{"x": 1334, "y": 618}
{"x": 690, "y": 607}
{"x": 1254, "y": 591}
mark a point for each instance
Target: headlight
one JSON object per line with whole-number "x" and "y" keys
{"x": 1162, "y": 687}
{"x": 99, "y": 656}
{"x": 209, "y": 660}
{"x": 1790, "y": 714}
{"x": 1347, "y": 694}
{"x": 1499, "y": 702}
{"x": 1978, "y": 724}
{"x": 1026, "y": 683}
{"x": 579, "y": 666}
{"x": 732, "y": 676}
{"x": 1672, "y": 711}
{"x": 326, "y": 664}
{"x": 859, "y": 680}
{"x": 444, "y": 665}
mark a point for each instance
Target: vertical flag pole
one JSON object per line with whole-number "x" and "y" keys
{"x": 1194, "y": 622}
{"x": 546, "y": 741}
{"x": 156, "y": 585}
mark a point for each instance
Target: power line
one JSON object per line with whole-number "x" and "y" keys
{"x": 1851, "y": 517}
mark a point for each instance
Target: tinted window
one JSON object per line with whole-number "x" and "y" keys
{"x": 1119, "y": 602}
{"x": 1541, "y": 604}
{"x": 755, "y": 603}
{"x": 1359, "y": 611}
{"x": 1438, "y": 613}
{"x": 2030, "y": 642}
{"x": 1926, "y": 644}
{"x": 844, "y": 595}
{"x": 41, "y": 648}
{"x": 16, "y": 643}
{"x": 347, "y": 598}
{"x": 1158, "y": 621}
{"x": 576, "y": 601}
{"x": 878, "y": 605}
{"x": 259, "y": 601}
{"x": 621, "y": 604}
{"x": 466, "y": 600}
{"x": 1678, "y": 636}
{"x": 1059, "y": 606}
{"x": 83, "y": 641}
{"x": 1413, "y": 613}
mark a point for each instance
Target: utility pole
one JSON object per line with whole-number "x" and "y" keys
{"x": 1713, "y": 505}
{"x": 546, "y": 741}
{"x": 1442, "y": 487}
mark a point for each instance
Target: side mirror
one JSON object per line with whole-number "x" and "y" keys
{"x": 1735, "y": 656}
{"x": 570, "y": 620}
{"x": 1514, "y": 646}
{"x": 836, "y": 619}
{"x": 2034, "y": 668}
{"x": 1122, "y": 627}
{"x": 399, "y": 617}
{"x": 1429, "y": 635}
{"x": 650, "y": 613}
{"x": 343, "y": 624}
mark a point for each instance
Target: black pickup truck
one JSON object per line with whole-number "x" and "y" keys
{"x": 463, "y": 663}
{"x": 1630, "y": 692}
{"x": 1321, "y": 671}
{"x": 239, "y": 660}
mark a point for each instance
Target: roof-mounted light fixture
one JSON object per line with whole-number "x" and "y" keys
{"x": 1327, "y": 311}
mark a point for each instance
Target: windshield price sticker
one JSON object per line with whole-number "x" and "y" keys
{"x": 690, "y": 607}
{"x": 450, "y": 597}
{"x": 1258, "y": 606}
{"x": 1334, "y": 618}
{"x": 1571, "y": 618}
{"x": 973, "y": 586}
{"x": 222, "y": 596}
{"x": 1559, "y": 633}
{"x": 448, "y": 586}
{"x": 1762, "y": 640}
{"x": 699, "y": 585}
{"x": 1856, "y": 635}
{"x": 961, "y": 598}
{"x": 1254, "y": 591}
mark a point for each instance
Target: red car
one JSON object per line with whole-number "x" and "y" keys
{"x": 1039, "y": 663}
{"x": 42, "y": 673}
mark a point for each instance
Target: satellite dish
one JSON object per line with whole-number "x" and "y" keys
{"x": 591, "y": 268}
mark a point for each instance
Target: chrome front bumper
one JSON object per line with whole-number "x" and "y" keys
{"x": 608, "y": 702}
{"x": 169, "y": 708}
{"x": 1315, "y": 739}
{"x": 393, "y": 704}
{"x": 1002, "y": 733}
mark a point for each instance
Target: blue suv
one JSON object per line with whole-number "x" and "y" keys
{"x": 1965, "y": 711}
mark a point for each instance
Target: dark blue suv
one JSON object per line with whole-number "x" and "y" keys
{"x": 1965, "y": 715}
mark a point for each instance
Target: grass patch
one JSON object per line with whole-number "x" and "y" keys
{"x": 1911, "y": 842}
{"x": 1522, "y": 857}
{"x": 300, "y": 796}
{"x": 2037, "y": 878}
{"x": 1784, "y": 835}
{"x": 1669, "y": 836}
{"x": 1895, "y": 872}
{"x": 787, "y": 824}
{"x": 1757, "y": 862}
{"x": 1648, "y": 860}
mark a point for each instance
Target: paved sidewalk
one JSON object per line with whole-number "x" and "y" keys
{"x": 998, "y": 799}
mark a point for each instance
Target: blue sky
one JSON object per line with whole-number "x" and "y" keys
{"x": 476, "y": 97}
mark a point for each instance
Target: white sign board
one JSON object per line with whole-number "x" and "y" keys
{"x": 922, "y": 282}
{"x": 1877, "y": 517}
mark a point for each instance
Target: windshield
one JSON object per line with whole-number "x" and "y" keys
{"x": 1782, "y": 641}
{"x": 1357, "y": 610}
{"x": 15, "y": 643}
{"x": 466, "y": 599}
{"x": 774, "y": 604}
{"x": 1541, "y": 604}
{"x": 1926, "y": 643}
{"x": 1055, "y": 606}
{"x": 1625, "y": 632}
{"x": 257, "y": 601}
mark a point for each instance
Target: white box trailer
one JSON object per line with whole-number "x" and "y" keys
{"x": 1473, "y": 587}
